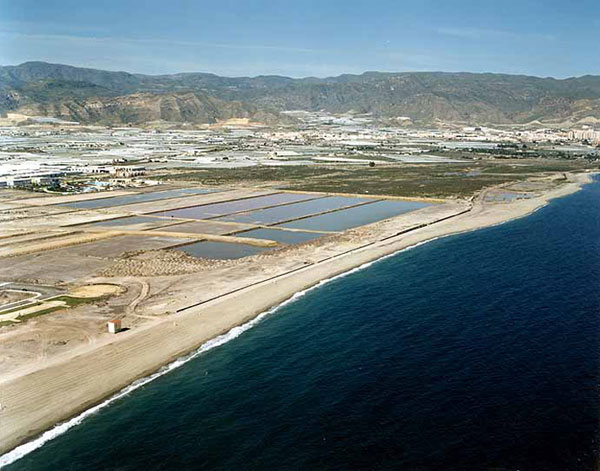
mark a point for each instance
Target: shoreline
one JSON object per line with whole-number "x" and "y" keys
{"x": 33, "y": 403}
{"x": 59, "y": 429}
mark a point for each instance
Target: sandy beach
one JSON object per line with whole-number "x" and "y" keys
{"x": 36, "y": 396}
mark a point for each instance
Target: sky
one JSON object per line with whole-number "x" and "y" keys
{"x": 302, "y": 38}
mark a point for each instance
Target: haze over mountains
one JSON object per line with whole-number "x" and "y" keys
{"x": 97, "y": 96}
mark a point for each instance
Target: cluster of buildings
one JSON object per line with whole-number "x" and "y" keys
{"x": 46, "y": 177}
{"x": 20, "y": 181}
{"x": 372, "y": 136}
{"x": 127, "y": 171}
{"x": 585, "y": 135}
{"x": 38, "y": 155}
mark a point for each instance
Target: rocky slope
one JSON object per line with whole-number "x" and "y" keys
{"x": 138, "y": 108}
{"x": 90, "y": 95}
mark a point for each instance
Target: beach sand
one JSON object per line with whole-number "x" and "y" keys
{"x": 35, "y": 397}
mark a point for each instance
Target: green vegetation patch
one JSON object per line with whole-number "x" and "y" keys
{"x": 223, "y": 176}
{"x": 408, "y": 180}
{"x": 69, "y": 301}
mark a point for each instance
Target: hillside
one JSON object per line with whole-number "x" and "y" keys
{"x": 90, "y": 95}
{"x": 191, "y": 107}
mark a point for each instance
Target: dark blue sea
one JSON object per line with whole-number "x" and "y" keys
{"x": 473, "y": 352}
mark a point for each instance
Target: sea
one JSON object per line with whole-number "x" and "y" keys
{"x": 478, "y": 351}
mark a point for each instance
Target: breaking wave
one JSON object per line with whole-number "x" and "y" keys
{"x": 63, "y": 427}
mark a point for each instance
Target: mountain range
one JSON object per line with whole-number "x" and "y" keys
{"x": 99, "y": 96}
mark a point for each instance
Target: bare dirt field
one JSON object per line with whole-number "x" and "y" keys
{"x": 12, "y": 296}
{"x": 96, "y": 291}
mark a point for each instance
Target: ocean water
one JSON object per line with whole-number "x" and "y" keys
{"x": 476, "y": 351}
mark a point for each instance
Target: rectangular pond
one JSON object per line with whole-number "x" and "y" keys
{"x": 139, "y": 198}
{"x": 506, "y": 196}
{"x": 283, "y": 237}
{"x": 204, "y": 227}
{"x": 207, "y": 211}
{"x": 294, "y": 211}
{"x": 353, "y": 217}
{"x": 132, "y": 223}
{"x": 221, "y": 250}
{"x": 115, "y": 246}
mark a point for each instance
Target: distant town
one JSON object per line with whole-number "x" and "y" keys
{"x": 54, "y": 155}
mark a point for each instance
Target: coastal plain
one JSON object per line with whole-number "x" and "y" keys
{"x": 172, "y": 293}
{"x": 123, "y": 249}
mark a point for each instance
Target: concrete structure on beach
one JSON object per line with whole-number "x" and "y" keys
{"x": 114, "y": 326}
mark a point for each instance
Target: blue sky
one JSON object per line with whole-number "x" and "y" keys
{"x": 306, "y": 37}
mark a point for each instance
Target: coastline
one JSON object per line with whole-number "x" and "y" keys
{"x": 35, "y": 402}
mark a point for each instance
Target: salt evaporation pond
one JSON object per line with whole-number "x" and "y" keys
{"x": 281, "y": 236}
{"x": 139, "y": 198}
{"x": 357, "y": 216}
{"x": 228, "y": 207}
{"x": 296, "y": 210}
{"x": 221, "y": 250}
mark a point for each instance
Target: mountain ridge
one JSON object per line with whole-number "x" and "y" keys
{"x": 425, "y": 97}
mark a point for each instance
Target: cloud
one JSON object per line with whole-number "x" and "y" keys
{"x": 68, "y": 38}
{"x": 484, "y": 33}
{"x": 405, "y": 61}
{"x": 160, "y": 56}
{"x": 14, "y": 26}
